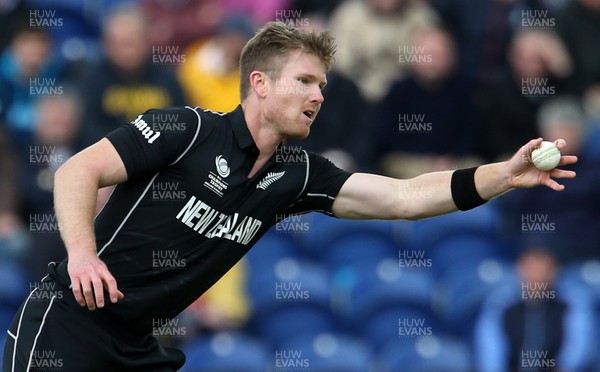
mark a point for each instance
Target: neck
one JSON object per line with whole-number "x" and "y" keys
{"x": 265, "y": 137}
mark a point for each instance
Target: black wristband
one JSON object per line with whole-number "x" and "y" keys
{"x": 464, "y": 192}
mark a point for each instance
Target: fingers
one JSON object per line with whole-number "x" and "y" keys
{"x": 89, "y": 279}
{"x": 557, "y": 173}
{"x": 111, "y": 286}
{"x": 76, "y": 285}
{"x": 561, "y": 173}
{"x": 553, "y": 184}
{"x": 560, "y": 143}
{"x": 568, "y": 159}
{"x": 99, "y": 292}
{"x": 88, "y": 294}
{"x": 531, "y": 145}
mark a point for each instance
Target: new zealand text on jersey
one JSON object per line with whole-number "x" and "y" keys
{"x": 206, "y": 220}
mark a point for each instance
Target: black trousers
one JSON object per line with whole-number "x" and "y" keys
{"x": 51, "y": 332}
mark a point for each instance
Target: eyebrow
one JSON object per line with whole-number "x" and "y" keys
{"x": 322, "y": 83}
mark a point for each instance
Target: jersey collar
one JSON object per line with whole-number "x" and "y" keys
{"x": 240, "y": 129}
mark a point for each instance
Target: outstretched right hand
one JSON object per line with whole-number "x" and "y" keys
{"x": 89, "y": 277}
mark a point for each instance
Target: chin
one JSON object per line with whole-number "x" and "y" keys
{"x": 300, "y": 135}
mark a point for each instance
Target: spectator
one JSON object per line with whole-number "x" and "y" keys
{"x": 429, "y": 113}
{"x": 210, "y": 74}
{"x": 573, "y": 222}
{"x": 483, "y": 30}
{"x": 11, "y": 226}
{"x": 538, "y": 61}
{"x": 578, "y": 25}
{"x": 533, "y": 325}
{"x": 27, "y": 72}
{"x": 372, "y": 35}
{"x": 58, "y": 135}
{"x": 322, "y": 7}
{"x": 259, "y": 11}
{"x": 13, "y": 14}
{"x": 345, "y": 118}
{"x": 129, "y": 80}
{"x": 179, "y": 23}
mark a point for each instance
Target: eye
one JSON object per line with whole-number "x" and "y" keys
{"x": 303, "y": 80}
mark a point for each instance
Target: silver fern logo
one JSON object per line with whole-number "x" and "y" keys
{"x": 270, "y": 178}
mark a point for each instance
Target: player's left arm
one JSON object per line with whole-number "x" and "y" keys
{"x": 367, "y": 196}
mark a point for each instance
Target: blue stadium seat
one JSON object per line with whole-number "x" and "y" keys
{"x": 425, "y": 354}
{"x": 3, "y": 337}
{"x": 460, "y": 248}
{"x": 381, "y": 289}
{"x": 226, "y": 352}
{"x": 584, "y": 273}
{"x": 288, "y": 281}
{"x": 323, "y": 230}
{"x": 325, "y": 352}
{"x": 462, "y": 289}
{"x": 483, "y": 220}
{"x": 14, "y": 284}
{"x": 6, "y": 316}
{"x": 393, "y": 322}
{"x": 359, "y": 249}
{"x": 293, "y": 321}
{"x": 291, "y": 289}
{"x": 262, "y": 259}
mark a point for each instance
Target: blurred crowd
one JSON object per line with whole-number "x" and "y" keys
{"x": 417, "y": 86}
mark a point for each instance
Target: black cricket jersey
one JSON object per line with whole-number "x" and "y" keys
{"x": 188, "y": 211}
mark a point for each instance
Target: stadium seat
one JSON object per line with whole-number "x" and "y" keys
{"x": 323, "y": 230}
{"x": 325, "y": 352}
{"x": 6, "y": 316}
{"x": 359, "y": 249}
{"x": 291, "y": 297}
{"x": 483, "y": 220}
{"x": 393, "y": 322}
{"x": 460, "y": 248}
{"x": 293, "y": 321}
{"x": 584, "y": 273}
{"x": 14, "y": 284}
{"x": 263, "y": 257}
{"x": 3, "y": 337}
{"x": 425, "y": 354}
{"x": 462, "y": 289}
{"x": 386, "y": 286}
{"x": 287, "y": 281}
{"x": 226, "y": 352}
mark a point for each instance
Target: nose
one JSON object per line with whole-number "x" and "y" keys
{"x": 317, "y": 96}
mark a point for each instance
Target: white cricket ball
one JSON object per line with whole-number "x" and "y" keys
{"x": 545, "y": 157}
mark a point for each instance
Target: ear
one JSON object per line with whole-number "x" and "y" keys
{"x": 259, "y": 81}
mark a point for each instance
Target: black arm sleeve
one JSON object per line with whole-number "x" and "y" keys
{"x": 155, "y": 139}
{"x": 324, "y": 182}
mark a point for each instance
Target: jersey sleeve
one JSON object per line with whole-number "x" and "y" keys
{"x": 324, "y": 181}
{"x": 155, "y": 139}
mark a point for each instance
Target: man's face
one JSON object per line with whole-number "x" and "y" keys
{"x": 294, "y": 97}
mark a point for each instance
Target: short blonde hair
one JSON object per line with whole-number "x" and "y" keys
{"x": 268, "y": 50}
